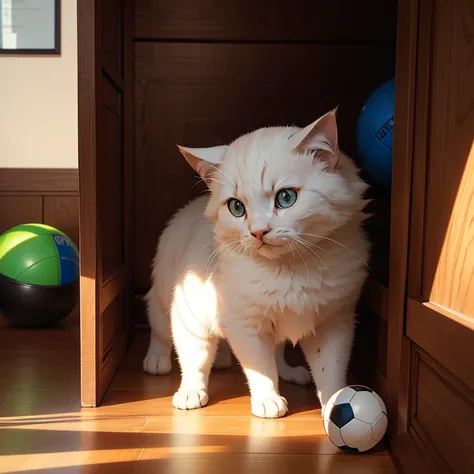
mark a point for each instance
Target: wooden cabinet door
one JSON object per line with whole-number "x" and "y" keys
{"x": 433, "y": 377}
{"x": 105, "y": 62}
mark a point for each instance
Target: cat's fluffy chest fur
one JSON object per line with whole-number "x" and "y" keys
{"x": 280, "y": 298}
{"x": 290, "y": 298}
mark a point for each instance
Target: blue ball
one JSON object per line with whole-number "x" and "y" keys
{"x": 375, "y": 133}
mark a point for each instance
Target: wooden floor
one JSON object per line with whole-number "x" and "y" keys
{"x": 43, "y": 429}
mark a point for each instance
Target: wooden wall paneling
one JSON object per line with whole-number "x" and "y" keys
{"x": 49, "y": 196}
{"x": 205, "y": 94}
{"x": 400, "y": 207}
{"x": 41, "y": 181}
{"x": 266, "y": 20}
{"x": 17, "y": 209}
{"x": 62, "y": 212}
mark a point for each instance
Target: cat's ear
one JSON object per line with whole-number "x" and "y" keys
{"x": 320, "y": 138}
{"x": 204, "y": 160}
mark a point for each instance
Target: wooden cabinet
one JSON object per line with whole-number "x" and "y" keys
{"x": 205, "y": 74}
{"x": 431, "y": 294}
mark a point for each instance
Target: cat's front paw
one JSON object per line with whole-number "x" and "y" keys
{"x": 190, "y": 400}
{"x": 156, "y": 364}
{"x": 273, "y": 407}
{"x": 299, "y": 375}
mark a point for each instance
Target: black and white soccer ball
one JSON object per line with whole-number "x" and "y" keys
{"x": 355, "y": 418}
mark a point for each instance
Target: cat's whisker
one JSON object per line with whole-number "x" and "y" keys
{"x": 209, "y": 260}
{"x": 242, "y": 249}
{"x": 338, "y": 243}
{"x": 229, "y": 250}
{"x": 310, "y": 252}
{"x": 208, "y": 179}
{"x": 208, "y": 244}
{"x": 317, "y": 247}
{"x": 223, "y": 174}
{"x": 306, "y": 251}
{"x": 215, "y": 253}
{"x": 222, "y": 249}
{"x": 330, "y": 272}
{"x": 304, "y": 261}
{"x": 306, "y": 244}
{"x": 197, "y": 182}
{"x": 333, "y": 280}
{"x": 226, "y": 249}
{"x": 291, "y": 248}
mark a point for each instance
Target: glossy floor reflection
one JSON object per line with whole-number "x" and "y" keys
{"x": 136, "y": 430}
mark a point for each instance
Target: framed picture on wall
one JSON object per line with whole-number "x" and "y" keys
{"x": 30, "y": 26}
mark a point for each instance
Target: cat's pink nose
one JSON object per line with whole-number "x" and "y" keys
{"x": 258, "y": 234}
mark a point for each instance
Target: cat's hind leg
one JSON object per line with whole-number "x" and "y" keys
{"x": 298, "y": 375}
{"x": 158, "y": 358}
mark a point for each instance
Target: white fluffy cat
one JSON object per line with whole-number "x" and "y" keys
{"x": 275, "y": 253}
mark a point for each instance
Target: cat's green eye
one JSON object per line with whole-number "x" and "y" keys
{"x": 285, "y": 198}
{"x": 236, "y": 207}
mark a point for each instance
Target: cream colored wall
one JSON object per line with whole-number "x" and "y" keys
{"x": 38, "y": 104}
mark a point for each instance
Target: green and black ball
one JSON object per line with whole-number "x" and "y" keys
{"x": 39, "y": 275}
